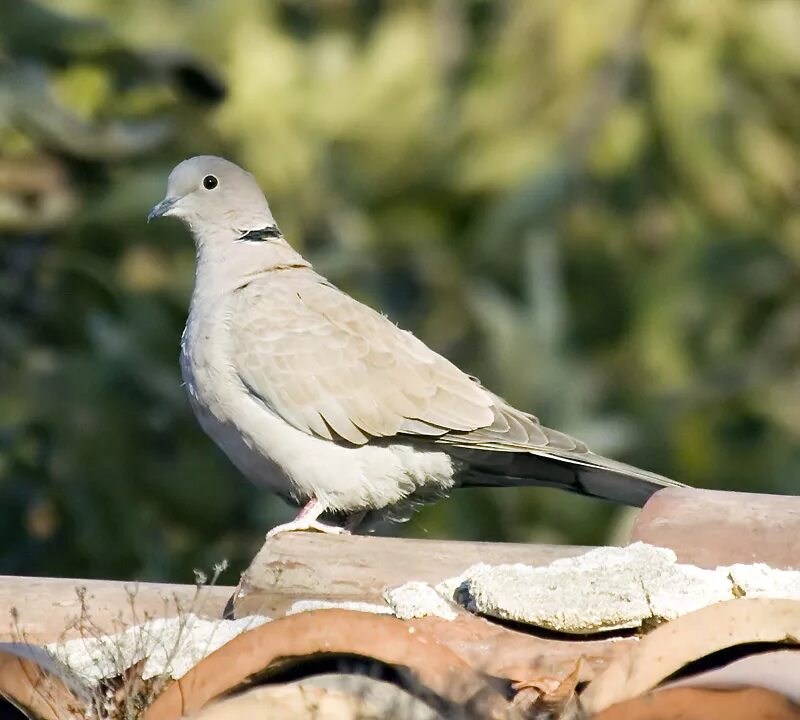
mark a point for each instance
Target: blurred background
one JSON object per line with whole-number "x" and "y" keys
{"x": 593, "y": 208}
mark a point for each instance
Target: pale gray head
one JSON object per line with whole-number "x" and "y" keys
{"x": 214, "y": 196}
{"x": 234, "y": 231}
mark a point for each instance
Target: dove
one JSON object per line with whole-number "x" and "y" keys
{"x": 325, "y": 401}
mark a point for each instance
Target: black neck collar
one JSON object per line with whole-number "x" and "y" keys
{"x": 270, "y": 232}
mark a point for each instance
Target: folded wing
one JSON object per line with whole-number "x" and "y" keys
{"x": 334, "y": 368}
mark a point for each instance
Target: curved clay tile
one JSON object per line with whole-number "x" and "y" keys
{"x": 709, "y": 528}
{"x": 386, "y": 640}
{"x": 40, "y": 685}
{"x": 675, "y": 644}
{"x": 703, "y": 704}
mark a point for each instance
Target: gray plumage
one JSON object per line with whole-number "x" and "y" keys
{"x": 326, "y": 401}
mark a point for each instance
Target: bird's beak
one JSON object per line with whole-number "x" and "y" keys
{"x": 162, "y": 208}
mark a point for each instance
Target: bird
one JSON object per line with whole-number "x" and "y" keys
{"x": 324, "y": 400}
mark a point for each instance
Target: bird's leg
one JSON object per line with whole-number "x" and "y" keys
{"x": 306, "y": 519}
{"x": 354, "y": 521}
{"x": 311, "y": 510}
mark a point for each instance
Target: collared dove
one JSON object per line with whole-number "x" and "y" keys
{"x": 327, "y": 402}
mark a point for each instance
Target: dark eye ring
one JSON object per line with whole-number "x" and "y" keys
{"x": 210, "y": 182}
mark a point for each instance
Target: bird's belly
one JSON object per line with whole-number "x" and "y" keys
{"x": 254, "y": 465}
{"x": 298, "y": 466}
{"x": 342, "y": 478}
{"x": 352, "y": 479}
{"x": 211, "y": 410}
{"x": 272, "y": 453}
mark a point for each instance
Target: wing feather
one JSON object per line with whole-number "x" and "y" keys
{"x": 333, "y": 367}
{"x": 337, "y": 369}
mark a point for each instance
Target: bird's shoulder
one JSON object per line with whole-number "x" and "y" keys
{"x": 334, "y": 366}
{"x": 301, "y": 302}
{"x": 337, "y": 368}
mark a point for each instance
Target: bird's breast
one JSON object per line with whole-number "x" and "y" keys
{"x": 205, "y": 355}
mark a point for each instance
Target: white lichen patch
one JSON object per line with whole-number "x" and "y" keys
{"x": 418, "y": 600}
{"x": 609, "y": 588}
{"x": 169, "y": 647}
{"x": 306, "y": 605}
{"x": 761, "y": 580}
{"x": 673, "y": 589}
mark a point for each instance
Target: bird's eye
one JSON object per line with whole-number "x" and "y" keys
{"x": 210, "y": 182}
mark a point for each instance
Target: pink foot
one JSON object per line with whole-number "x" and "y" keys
{"x": 307, "y": 520}
{"x": 299, "y": 524}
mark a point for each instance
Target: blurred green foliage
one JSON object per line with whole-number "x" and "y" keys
{"x": 593, "y": 207}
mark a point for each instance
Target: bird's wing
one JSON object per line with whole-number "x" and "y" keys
{"x": 335, "y": 368}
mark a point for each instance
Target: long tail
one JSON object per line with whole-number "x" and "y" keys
{"x": 583, "y": 473}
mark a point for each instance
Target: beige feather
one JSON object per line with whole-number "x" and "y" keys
{"x": 312, "y": 353}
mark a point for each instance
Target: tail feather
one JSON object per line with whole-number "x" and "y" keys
{"x": 583, "y": 473}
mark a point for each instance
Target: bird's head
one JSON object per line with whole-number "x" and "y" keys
{"x": 234, "y": 231}
{"x": 213, "y": 196}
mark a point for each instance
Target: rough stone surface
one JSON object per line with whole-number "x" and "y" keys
{"x": 609, "y": 589}
{"x": 387, "y": 700}
{"x": 306, "y": 605}
{"x": 322, "y": 697}
{"x": 417, "y": 600}
{"x": 169, "y": 647}
{"x": 601, "y": 590}
{"x": 763, "y": 581}
{"x": 672, "y": 589}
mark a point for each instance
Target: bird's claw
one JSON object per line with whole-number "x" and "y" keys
{"x": 306, "y": 524}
